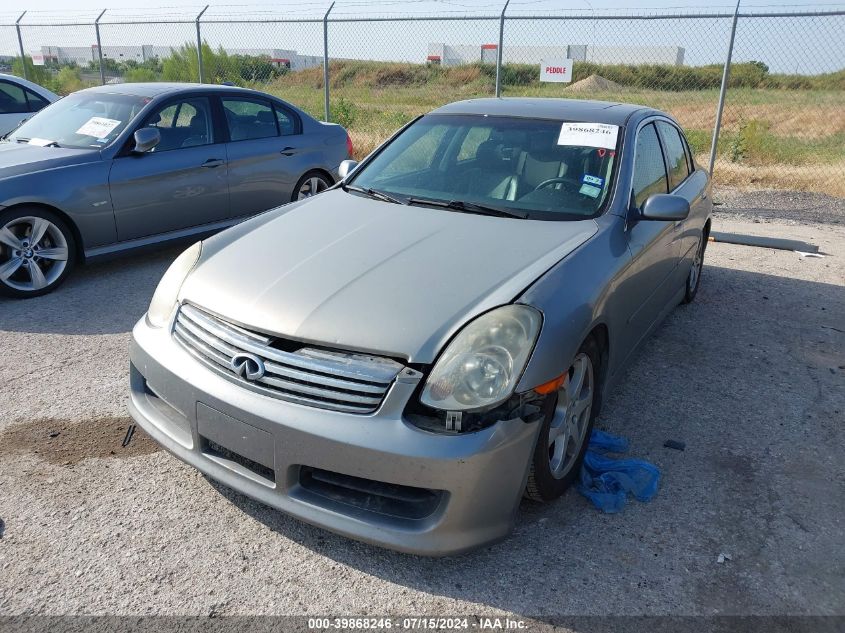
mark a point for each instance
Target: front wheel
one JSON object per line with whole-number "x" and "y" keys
{"x": 566, "y": 429}
{"x": 36, "y": 252}
{"x": 310, "y": 185}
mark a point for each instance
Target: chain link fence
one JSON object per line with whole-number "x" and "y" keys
{"x": 782, "y": 121}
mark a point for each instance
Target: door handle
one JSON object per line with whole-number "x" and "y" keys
{"x": 212, "y": 162}
{"x": 287, "y": 151}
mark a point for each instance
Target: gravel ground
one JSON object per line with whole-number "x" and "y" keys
{"x": 751, "y": 377}
{"x": 785, "y": 207}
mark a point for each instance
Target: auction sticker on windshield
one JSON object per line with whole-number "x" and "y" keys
{"x": 601, "y": 135}
{"x": 98, "y": 127}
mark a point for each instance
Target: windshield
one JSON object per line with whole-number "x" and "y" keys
{"x": 542, "y": 168}
{"x": 81, "y": 120}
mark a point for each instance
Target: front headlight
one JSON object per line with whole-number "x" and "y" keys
{"x": 482, "y": 364}
{"x": 168, "y": 288}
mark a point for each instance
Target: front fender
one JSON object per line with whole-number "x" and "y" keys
{"x": 575, "y": 297}
{"x": 80, "y": 191}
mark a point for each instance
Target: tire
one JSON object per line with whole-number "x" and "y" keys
{"x": 310, "y": 181}
{"x": 554, "y": 467}
{"x": 693, "y": 282}
{"x": 20, "y": 259}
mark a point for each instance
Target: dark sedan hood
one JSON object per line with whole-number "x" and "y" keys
{"x": 20, "y": 158}
{"x": 361, "y": 274}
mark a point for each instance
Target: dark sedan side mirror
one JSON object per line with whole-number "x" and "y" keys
{"x": 346, "y": 168}
{"x": 665, "y": 207}
{"x": 146, "y": 139}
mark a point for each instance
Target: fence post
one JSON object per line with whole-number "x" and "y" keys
{"x": 499, "y": 49}
{"x": 20, "y": 43}
{"x": 100, "y": 47}
{"x": 199, "y": 45}
{"x": 726, "y": 73}
{"x": 327, "y": 115}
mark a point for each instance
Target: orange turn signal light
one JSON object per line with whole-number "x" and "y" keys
{"x": 551, "y": 386}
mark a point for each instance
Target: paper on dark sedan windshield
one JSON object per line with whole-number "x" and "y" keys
{"x": 599, "y": 135}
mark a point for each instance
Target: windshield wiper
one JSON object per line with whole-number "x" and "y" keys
{"x": 45, "y": 144}
{"x": 471, "y": 207}
{"x": 373, "y": 193}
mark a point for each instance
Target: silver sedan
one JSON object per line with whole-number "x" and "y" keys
{"x": 402, "y": 359}
{"x": 115, "y": 168}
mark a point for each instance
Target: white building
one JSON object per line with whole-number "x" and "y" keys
{"x": 82, "y": 55}
{"x": 455, "y": 55}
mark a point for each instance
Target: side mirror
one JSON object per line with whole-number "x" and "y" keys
{"x": 346, "y": 168}
{"x": 665, "y": 207}
{"x": 146, "y": 139}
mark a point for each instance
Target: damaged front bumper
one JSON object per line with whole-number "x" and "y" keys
{"x": 376, "y": 478}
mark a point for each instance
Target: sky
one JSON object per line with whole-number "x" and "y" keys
{"x": 804, "y": 45}
{"x": 230, "y": 7}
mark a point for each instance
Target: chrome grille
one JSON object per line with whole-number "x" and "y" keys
{"x": 340, "y": 381}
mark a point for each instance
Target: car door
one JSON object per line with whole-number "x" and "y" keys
{"x": 685, "y": 181}
{"x": 265, "y": 153}
{"x": 653, "y": 244}
{"x": 181, "y": 183}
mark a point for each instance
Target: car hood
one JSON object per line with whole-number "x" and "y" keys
{"x": 361, "y": 274}
{"x": 20, "y": 158}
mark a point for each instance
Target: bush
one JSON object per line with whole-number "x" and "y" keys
{"x": 39, "y": 74}
{"x": 67, "y": 81}
{"x": 140, "y": 75}
{"x": 344, "y": 112}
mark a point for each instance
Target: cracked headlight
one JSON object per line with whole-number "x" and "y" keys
{"x": 483, "y": 363}
{"x": 167, "y": 291}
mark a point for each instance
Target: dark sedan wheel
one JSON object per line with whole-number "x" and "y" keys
{"x": 310, "y": 185}
{"x": 694, "y": 277}
{"x": 36, "y": 252}
{"x": 566, "y": 429}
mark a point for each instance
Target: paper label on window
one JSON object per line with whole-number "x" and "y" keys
{"x": 592, "y": 180}
{"x": 41, "y": 142}
{"x": 601, "y": 135}
{"x": 98, "y": 127}
{"x": 590, "y": 190}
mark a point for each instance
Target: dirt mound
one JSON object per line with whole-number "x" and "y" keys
{"x": 594, "y": 83}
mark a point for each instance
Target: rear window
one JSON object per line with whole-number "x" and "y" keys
{"x": 249, "y": 119}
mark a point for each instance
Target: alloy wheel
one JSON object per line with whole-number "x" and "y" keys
{"x": 311, "y": 187}
{"x": 33, "y": 253}
{"x": 695, "y": 271}
{"x": 571, "y": 418}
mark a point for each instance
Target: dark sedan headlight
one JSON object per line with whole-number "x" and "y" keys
{"x": 481, "y": 366}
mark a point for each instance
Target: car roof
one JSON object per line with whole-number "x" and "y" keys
{"x": 545, "y": 108}
{"x": 154, "y": 89}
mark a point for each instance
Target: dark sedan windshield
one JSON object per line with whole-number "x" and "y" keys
{"x": 540, "y": 168}
{"x": 81, "y": 120}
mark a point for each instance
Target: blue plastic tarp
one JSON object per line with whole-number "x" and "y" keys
{"x": 607, "y": 481}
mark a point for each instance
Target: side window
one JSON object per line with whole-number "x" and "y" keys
{"x": 181, "y": 124}
{"x": 248, "y": 119}
{"x": 12, "y": 99}
{"x": 676, "y": 157}
{"x": 649, "y": 169}
{"x": 286, "y": 121}
{"x": 35, "y": 102}
{"x": 474, "y": 138}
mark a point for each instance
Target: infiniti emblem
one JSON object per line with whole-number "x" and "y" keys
{"x": 247, "y": 366}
